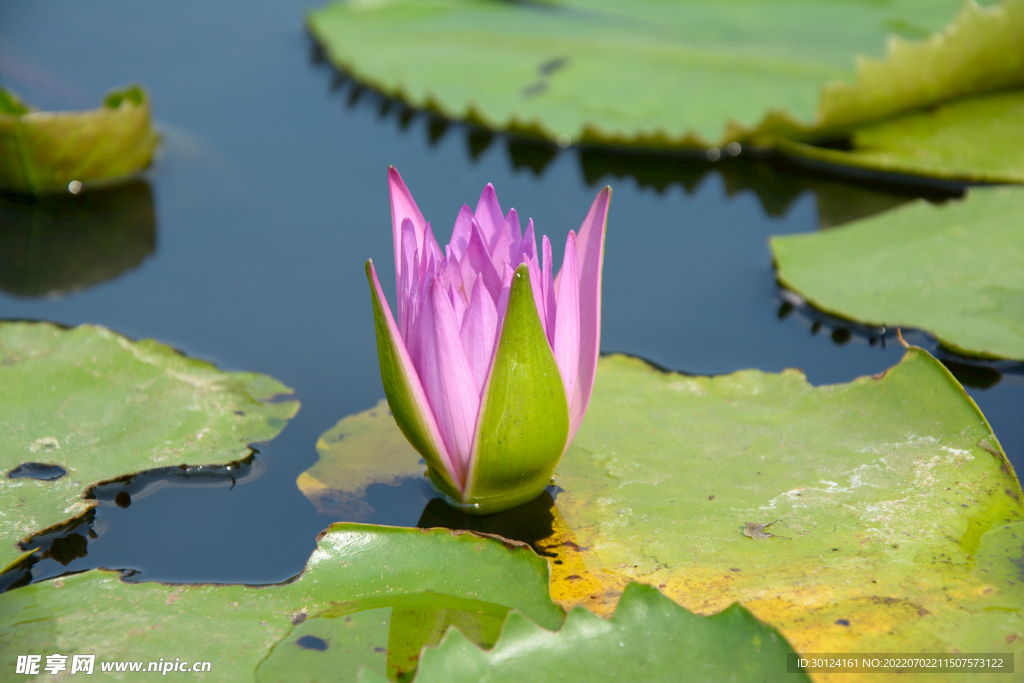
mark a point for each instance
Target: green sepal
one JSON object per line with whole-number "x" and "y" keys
{"x": 524, "y": 415}
{"x": 399, "y": 390}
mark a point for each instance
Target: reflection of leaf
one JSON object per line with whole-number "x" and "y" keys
{"x": 884, "y": 487}
{"x": 977, "y": 139}
{"x": 955, "y": 270}
{"x": 58, "y": 244}
{"x": 101, "y": 406}
{"x": 659, "y": 74}
{"x": 776, "y": 182}
{"x": 44, "y": 151}
{"x": 342, "y": 602}
{"x": 360, "y": 450}
{"x": 649, "y": 638}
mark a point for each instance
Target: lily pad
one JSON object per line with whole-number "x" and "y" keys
{"x": 340, "y": 610}
{"x": 878, "y": 498}
{"x": 360, "y": 450}
{"x": 673, "y": 74}
{"x": 101, "y": 406}
{"x": 43, "y": 152}
{"x": 979, "y": 139}
{"x": 59, "y": 244}
{"x": 649, "y": 638}
{"x": 955, "y": 270}
{"x": 874, "y": 516}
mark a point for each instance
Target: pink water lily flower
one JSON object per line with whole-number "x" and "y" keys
{"x": 489, "y": 364}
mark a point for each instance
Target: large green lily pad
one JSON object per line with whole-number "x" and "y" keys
{"x": 851, "y": 517}
{"x": 875, "y": 516}
{"x": 343, "y": 611}
{"x": 666, "y": 73}
{"x": 42, "y": 152}
{"x": 979, "y": 139}
{"x": 101, "y": 406}
{"x": 955, "y": 270}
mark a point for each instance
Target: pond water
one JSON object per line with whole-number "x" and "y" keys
{"x": 245, "y": 244}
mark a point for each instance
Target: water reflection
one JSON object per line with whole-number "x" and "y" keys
{"x": 975, "y": 373}
{"x": 64, "y": 549}
{"x": 528, "y": 523}
{"x": 777, "y": 181}
{"x": 55, "y": 245}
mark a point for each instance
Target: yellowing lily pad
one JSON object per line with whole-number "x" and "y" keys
{"x": 875, "y": 502}
{"x": 340, "y": 614}
{"x": 954, "y": 269}
{"x": 875, "y": 516}
{"x": 674, "y": 74}
{"x": 101, "y": 406}
{"x": 360, "y": 450}
{"x": 43, "y": 152}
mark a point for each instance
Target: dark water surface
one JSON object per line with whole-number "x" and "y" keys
{"x": 245, "y": 244}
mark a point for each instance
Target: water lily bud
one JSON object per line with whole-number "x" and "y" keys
{"x": 489, "y": 364}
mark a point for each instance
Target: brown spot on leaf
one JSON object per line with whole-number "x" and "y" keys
{"x": 757, "y": 531}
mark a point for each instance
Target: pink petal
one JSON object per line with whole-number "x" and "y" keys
{"x": 548, "y": 293}
{"x": 419, "y": 396}
{"x": 502, "y": 252}
{"x": 567, "y": 327}
{"x": 512, "y": 220}
{"x": 407, "y": 268}
{"x": 462, "y": 231}
{"x": 458, "y": 304}
{"x": 447, "y": 378}
{"x": 402, "y": 206}
{"x": 479, "y": 328}
{"x": 488, "y": 215}
{"x": 451, "y": 276}
{"x": 477, "y": 260}
{"x": 528, "y": 247}
{"x": 538, "y": 294}
{"x": 506, "y": 287}
{"x": 590, "y": 252}
{"x": 430, "y": 251}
